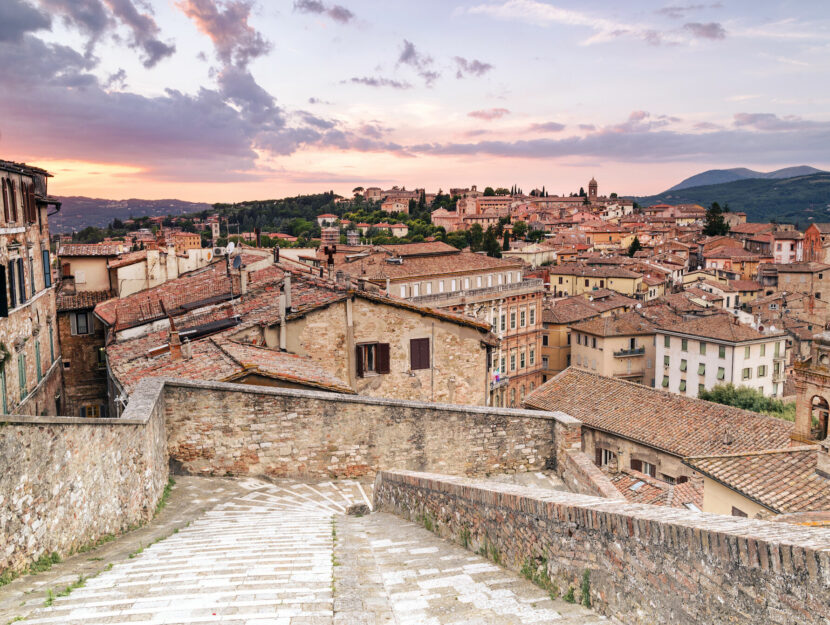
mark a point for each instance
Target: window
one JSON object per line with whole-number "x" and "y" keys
{"x": 522, "y": 318}
{"x": 38, "y": 370}
{"x": 372, "y": 358}
{"x": 503, "y": 322}
{"x": 403, "y": 291}
{"x": 478, "y": 282}
{"x": 440, "y": 286}
{"x": 466, "y": 283}
{"x": 569, "y": 338}
{"x": 513, "y": 361}
{"x": 668, "y": 479}
{"x": 91, "y": 411}
{"x": 665, "y": 381}
{"x": 532, "y": 355}
{"x": 702, "y": 348}
{"x": 545, "y": 362}
{"x": 429, "y": 288}
{"x": 701, "y": 369}
{"x": 51, "y": 345}
{"x": 3, "y": 388}
{"x": 701, "y": 388}
{"x": 560, "y": 279}
{"x": 568, "y": 359}
{"x": 419, "y": 356}
{"x": 632, "y": 343}
{"x": 776, "y": 368}
{"x": 684, "y": 365}
{"x": 4, "y": 302}
{"x": 32, "y": 287}
{"x": 747, "y": 351}
{"x": 533, "y": 315}
{"x": 509, "y": 277}
{"x": 594, "y": 342}
{"x": 80, "y": 323}
{"x": 644, "y": 467}
{"x": 684, "y": 345}
{"x": 544, "y": 340}
{"x": 762, "y": 371}
{"x": 452, "y": 285}
{"x": 666, "y": 341}
{"x": 682, "y": 386}
{"x": 763, "y": 349}
{"x": 604, "y": 457}
{"x": 586, "y": 282}
{"x": 47, "y": 269}
{"x": 666, "y": 360}
{"x": 512, "y": 319}
{"x": 777, "y": 350}
{"x": 416, "y": 290}
{"x": 522, "y": 359}
{"x": 721, "y": 351}
{"x": 746, "y": 373}
{"x": 721, "y": 373}
{"x": 503, "y": 367}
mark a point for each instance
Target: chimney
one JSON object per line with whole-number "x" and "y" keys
{"x": 243, "y": 281}
{"x": 175, "y": 344}
{"x": 823, "y": 460}
{"x": 187, "y": 349}
{"x": 287, "y": 290}
{"x": 276, "y": 253}
{"x": 283, "y": 329}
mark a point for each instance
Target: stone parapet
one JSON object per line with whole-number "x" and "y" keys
{"x": 646, "y": 564}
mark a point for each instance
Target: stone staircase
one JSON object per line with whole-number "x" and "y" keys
{"x": 282, "y": 553}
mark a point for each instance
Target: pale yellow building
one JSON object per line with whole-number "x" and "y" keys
{"x": 576, "y": 279}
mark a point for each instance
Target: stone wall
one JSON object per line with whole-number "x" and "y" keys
{"x": 648, "y": 565}
{"x": 67, "y": 481}
{"x": 216, "y": 428}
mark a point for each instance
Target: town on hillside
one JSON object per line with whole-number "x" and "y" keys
{"x": 689, "y": 346}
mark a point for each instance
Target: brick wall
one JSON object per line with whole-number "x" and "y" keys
{"x": 648, "y": 565}
{"x": 215, "y": 428}
{"x": 66, "y": 481}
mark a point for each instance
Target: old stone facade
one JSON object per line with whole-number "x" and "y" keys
{"x": 812, "y": 385}
{"x": 645, "y": 565}
{"x": 30, "y": 374}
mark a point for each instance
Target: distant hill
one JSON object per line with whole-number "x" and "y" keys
{"x": 79, "y": 212}
{"x": 719, "y": 176}
{"x": 795, "y": 200}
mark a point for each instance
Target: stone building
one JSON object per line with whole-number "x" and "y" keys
{"x": 82, "y": 351}
{"x": 811, "y": 378}
{"x": 30, "y": 371}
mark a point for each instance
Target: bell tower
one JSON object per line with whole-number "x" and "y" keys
{"x": 812, "y": 385}
{"x": 592, "y": 190}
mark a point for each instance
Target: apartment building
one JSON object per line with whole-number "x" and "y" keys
{"x": 576, "y": 279}
{"x": 701, "y": 353}
{"x": 514, "y": 313}
{"x": 30, "y": 371}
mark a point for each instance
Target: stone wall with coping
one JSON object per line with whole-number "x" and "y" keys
{"x": 647, "y": 564}
{"x": 217, "y": 428}
{"x": 67, "y": 481}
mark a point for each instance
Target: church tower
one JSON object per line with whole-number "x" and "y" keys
{"x": 592, "y": 190}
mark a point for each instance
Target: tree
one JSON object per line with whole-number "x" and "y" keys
{"x": 357, "y": 190}
{"x": 490, "y": 243}
{"x": 476, "y": 237}
{"x": 748, "y": 399}
{"x": 506, "y": 245}
{"x": 634, "y": 247}
{"x": 536, "y": 236}
{"x": 489, "y": 192}
{"x": 519, "y": 229}
{"x": 502, "y": 191}
{"x": 613, "y": 196}
{"x": 422, "y": 200}
{"x": 715, "y": 222}
{"x": 582, "y": 192}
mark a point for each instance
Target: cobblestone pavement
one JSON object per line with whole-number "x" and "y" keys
{"x": 284, "y": 553}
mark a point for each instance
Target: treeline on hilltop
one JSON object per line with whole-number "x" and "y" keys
{"x": 297, "y": 216}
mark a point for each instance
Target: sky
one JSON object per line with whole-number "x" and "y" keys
{"x": 233, "y": 100}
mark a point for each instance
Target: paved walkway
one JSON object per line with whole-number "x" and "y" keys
{"x": 283, "y": 553}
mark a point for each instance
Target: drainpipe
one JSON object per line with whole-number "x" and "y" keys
{"x": 350, "y": 347}
{"x": 283, "y": 329}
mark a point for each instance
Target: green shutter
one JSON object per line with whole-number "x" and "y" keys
{"x": 3, "y": 389}
{"x": 701, "y": 369}
{"x": 683, "y": 365}
{"x": 37, "y": 361}
{"x": 21, "y": 375}
{"x": 665, "y": 381}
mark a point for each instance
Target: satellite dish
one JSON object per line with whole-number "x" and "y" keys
{"x": 231, "y": 247}
{"x": 237, "y": 262}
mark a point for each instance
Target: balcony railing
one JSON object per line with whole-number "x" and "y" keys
{"x": 628, "y": 353}
{"x": 533, "y": 284}
{"x": 495, "y": 384}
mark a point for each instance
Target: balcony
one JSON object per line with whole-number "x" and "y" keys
{"x": 501, "y": 382}
{"x": 630, "y": 353}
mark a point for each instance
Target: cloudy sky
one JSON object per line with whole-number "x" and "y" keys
{"x": 223, "y": 100}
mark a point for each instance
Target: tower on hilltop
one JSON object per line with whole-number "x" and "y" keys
{"x": 592, "y": 189}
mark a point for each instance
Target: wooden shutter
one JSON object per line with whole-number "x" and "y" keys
{"x": 5, "y": 200}
{"x": 13, "y": 199}
{"x": 4, "y": 302}
{"x": 47, "y": 269}
{"x": 598, "y": 456}
{"x": 419, "y": 353}
{"x": 32, "y": 204}
{"x": 383, "y": 358}
{"x": 358, "y": 359}
{"x": 637, "y": 465}
{"x": 21, "y": 278}
{"x": 73, "y": 323}
{"x": 12, "y": 286}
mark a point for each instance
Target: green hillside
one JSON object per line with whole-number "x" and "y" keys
{"x": 794, "y": 200}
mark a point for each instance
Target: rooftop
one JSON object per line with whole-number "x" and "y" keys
{"x": 628, "y": 324}
{"x": 720, "y": 328}
{"x": 673, "y": 423}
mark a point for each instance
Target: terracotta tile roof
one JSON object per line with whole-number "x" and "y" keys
{"x": 420, "y": 249}
{"x": 130, "y": 258}
{"x": 673, "y": 423}
{"x": 720, "y": 328}
{"x": 745, "y": 285}
{"x": 638, "y": 487}
{"x": 197, "y": 288}
{"x": 783, "y": 480}
{"x": 628, "y": 324}
{"x": 82, "y": 300}
{"x": 751, "y": 228}
{"x": 90, "y": 249}
{"x": 574, "y": 269}
{"x": 579, "y": 308}
{"x": 374, "y": 266}
{"x": 810, "y": 267}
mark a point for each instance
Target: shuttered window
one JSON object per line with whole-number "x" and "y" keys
{"x": 37, "y": 361}
{"x": 21, "y": 375}
{"x": 12, "y": 286}
{"x": 371, "y": 358}
{"x": 5, "y": 201}
{"x": 47, "y": 269}
{"x": 13, "y": 202}
{"x": 419, "y": 356}
{"x": 21, "y": 281}
{"x": 4, "y": 302}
